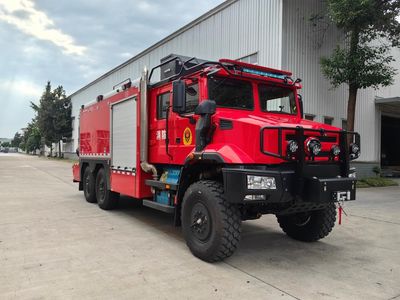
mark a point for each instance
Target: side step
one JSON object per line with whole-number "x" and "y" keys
{"x": 161, "y": 207}
{"x": 161, "y": 185}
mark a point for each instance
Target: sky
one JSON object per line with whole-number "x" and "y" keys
{"x": 71, "y": 43}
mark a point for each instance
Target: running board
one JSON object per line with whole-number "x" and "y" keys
{"x": 161, "y": 207}
{"x": 163, "y": 186}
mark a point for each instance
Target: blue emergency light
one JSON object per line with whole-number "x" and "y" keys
{"x": 262, "y": 73}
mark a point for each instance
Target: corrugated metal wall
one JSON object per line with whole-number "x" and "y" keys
{"x": 283, "y": 36}
{"x": 240, "y": 29}
{"x": 302, "y": 46}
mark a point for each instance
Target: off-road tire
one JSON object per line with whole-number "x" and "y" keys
{"x": 224, "y": 225}
{"x": 318, "y": 226}
{"x": 106, "y": 199}
{"x": 89, "y": 186}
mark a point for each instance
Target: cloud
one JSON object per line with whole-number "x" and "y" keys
{"x": 21, "y": 88}
{"x": 144, "y": 6}
{"x": 15, "y": 104}
{"x": 36, "y": 35}
{"x": 23, "y": 15}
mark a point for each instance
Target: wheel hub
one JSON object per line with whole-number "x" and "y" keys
{"x": 200, "y": 220}
{"x": 302, "y": 219}
{"x": 87, "y": 183}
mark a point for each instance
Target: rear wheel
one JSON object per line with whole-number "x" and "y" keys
{"x": 106, "y": 199}
{"x": 309, "y": 226}
{"x": 211, "y": 226}
{"x": 89, "y": 189}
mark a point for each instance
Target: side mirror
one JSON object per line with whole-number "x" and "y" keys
{"x": 204, "y": 127}
{"x": 300, "y": 97}
{"x": 207, "y": 107}
{"x": 179, "y": 97}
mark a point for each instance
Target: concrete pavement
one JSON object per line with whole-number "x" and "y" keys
{"x": 55, "y": 245}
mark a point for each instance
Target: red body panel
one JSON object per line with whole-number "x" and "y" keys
{"x": 75, "y": 173}
{"x": 123, "y": 182}
{"x": 95, "y": 144}
{"x": 239, "y": 145}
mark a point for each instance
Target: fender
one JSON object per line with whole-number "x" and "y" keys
{"x": 229, "y": 153}
{"x": 189, "y": 174}
{"x": 219, "y": 155}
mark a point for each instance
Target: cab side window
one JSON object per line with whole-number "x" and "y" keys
{"x": 192, "y": 97}
{"x": 162, "y": 105}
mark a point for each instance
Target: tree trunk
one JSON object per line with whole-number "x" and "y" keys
{"x": 353, "y": 85}
{"x": 59, "y": 148}
{"x": 351, "y": 107}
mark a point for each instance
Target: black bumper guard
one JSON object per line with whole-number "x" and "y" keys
{"x": 305, "y": 181}
{"x": 300, "y": 136}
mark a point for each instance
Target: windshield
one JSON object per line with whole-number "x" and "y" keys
{"x": 277, "y": 99}
{"x": 231, "y": 93}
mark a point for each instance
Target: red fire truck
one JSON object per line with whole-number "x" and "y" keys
{"x": 216, "y": 143}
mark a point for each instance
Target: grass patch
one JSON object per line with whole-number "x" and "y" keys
{"x": 362, "y": 184}
{"x": 376, "y": 182}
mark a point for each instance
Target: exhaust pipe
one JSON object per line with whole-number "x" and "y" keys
{"x": 144, "y": 127}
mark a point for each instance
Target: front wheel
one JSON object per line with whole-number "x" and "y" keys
{"x": 106, "y": 199}
{"x": 309, "y": 226}
{"x": 211, "y": 226}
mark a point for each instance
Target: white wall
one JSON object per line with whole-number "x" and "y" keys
{"x": 303, "y": 45}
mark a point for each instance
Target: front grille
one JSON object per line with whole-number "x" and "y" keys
{"x": 273, "y": 142}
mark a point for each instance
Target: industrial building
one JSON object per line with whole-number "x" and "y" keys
{"x": 277, "y": 34}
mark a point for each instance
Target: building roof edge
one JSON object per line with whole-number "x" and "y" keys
{"x": 176, "y": 33}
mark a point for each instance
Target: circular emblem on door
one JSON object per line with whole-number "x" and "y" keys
{"x": 187, "y": 136}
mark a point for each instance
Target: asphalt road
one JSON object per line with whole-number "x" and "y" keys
{"x": 53, "y": 244}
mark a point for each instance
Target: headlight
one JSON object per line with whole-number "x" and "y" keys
{"x": 335, "y": 150}
{"x": 352, "y": 173}
{"x": 292, "y": 147}
{"x": 260, "y": 183}
{"x": 354, "y": 150}
{"x": 314, "y": 146}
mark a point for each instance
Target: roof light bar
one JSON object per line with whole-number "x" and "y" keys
{"x": 265, "y": 74}
{"x": 255, "y": 67}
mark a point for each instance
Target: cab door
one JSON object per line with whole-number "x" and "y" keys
{"x": 160, "y": 111}
{"x": 182, "y": 127}
{"x": 179, "y": 129}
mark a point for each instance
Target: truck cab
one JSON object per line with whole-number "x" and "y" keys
{"x": 226, "y": 141}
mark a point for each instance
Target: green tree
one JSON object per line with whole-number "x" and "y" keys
{"x": 22, "y": 146}
{"x": 31, "y": 138}
{"x": 6, "y": 144}
{"x": 54, "y": 116}
{"x": 371, "y": 29}
{"x": 33, "y": 141}
{"x": 62, "y": 120}
{"x": 16, "y": 140}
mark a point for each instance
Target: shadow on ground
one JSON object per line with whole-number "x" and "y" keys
{"x": 259, "y": 238}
